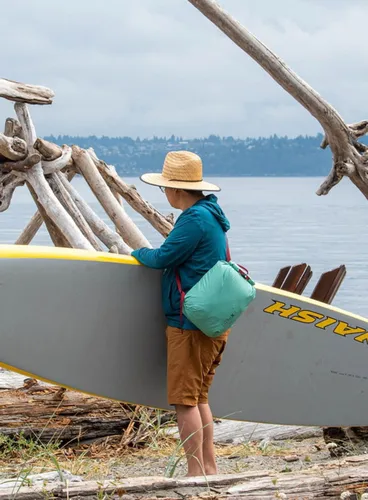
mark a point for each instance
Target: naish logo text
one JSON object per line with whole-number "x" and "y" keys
{"x": 319, "y": 320}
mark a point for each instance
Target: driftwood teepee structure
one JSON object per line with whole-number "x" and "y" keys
{"x": 48, "y": 169}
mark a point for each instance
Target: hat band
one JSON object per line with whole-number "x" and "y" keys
{"x": 181, "y": 180}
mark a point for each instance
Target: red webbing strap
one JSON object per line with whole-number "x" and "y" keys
{"x": 228, "y": 256}
{"x": 182, "y": 295}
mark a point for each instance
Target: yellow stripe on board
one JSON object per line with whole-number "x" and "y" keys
{"x": 311, "y": 302}
{"x": 46, "y": 252}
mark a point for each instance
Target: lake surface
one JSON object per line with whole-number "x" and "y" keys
{"x": 275, "y": 222}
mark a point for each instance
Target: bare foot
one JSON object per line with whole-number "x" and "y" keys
{"x": 211, "y": 472}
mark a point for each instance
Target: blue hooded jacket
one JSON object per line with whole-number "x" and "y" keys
{"x": 195, "y": 244}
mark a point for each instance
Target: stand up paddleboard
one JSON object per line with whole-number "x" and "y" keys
{"x": 93, "y": 322}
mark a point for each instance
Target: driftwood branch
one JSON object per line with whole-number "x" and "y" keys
{"x": 339, "y": 135}
{"x": 43, "y": 194}
{"x": 57, "y": 236}
{"x": 12, "y": 148}
{"x": 35, "y": 223}
{"x": 21, "y": 165}
{"x": 30, "y": 230}
{"x": 357, "y": 130}
{"x": 26, "y": 123}
{"x": 8, "y": 183}
{"x": 20, "y": 92}
{"x": 131, "y": 234}
{"x": 108, "y": 237}
{"x": 162, "y": 224}
{"x": 52, "y": 166}
{"x": 13, "y": 128}
{"x": 48, "y": 150}
{"x": 70, "y": 206}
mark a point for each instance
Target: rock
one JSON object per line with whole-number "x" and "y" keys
{"x": 291, "y": 458}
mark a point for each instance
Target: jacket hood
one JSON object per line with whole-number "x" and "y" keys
{"x": 210, "y": 203}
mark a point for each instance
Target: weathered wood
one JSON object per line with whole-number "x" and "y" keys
{"x": 331, "y": 481}
{"x": 8, "y": 183}
{"x": 12, "y": 148}
{"x": 30, "y": 231}
{"x": 44, "y": 195}
{"x": 68, "y": 203}
{"x": 130, "y": 232}
{"x": 33, "y": 226}
{"x": 347, "y": 158}
{"x": 76, "y": 416}
{"x": 60, "y": 163}
{"x": 162, "y": 224}
{"x": 21, "y": 165}
{"x": 325, "y": 483}
{"x": 21, "y": 92}
{"x": 13, "y": 128}
{"x": 119, "y": 199}
{"x": 100, "y": 229}
{"x": 57, "y": 236}
{"x": 358, "y": 130}
{"x": 48, "y": 150}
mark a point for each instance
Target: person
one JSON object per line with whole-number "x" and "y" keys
{"x": 195, "y": 244}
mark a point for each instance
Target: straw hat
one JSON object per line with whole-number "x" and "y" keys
{"x": 181, "y": 170}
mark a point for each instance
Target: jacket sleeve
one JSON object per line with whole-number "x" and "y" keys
{"x": 177, "y": 248}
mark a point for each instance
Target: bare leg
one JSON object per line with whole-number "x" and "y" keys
{"x": 209, "y": 458}
{"x": 190, "y": 424}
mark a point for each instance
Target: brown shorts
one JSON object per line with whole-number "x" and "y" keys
{"x": 192, "y": 359}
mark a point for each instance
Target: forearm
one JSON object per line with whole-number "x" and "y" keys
{"x": 150, "y": 258}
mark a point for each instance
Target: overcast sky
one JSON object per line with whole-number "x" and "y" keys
{"x": 159, "y": 67}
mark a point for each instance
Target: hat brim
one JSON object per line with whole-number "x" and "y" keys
{"x": 159, "y": 180}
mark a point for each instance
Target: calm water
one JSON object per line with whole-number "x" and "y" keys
{"x": 275, "y": 222}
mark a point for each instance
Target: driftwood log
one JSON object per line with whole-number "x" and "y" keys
{"x": 49, "y": 413}
{"x": 334, "y": 481}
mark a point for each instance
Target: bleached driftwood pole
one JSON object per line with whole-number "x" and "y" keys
{"x": 42, "y": 192}
{"x": 350, "y": 158}
{"x": 131, "y": 234}
{"x": 48, "y": 169}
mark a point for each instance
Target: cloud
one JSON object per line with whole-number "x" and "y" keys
{"x": 158, "y": 67}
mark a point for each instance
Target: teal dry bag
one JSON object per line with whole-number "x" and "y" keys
{"x": 219, "y": 298}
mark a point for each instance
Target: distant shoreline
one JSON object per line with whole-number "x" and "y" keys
{"x": 222, "y": 156}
